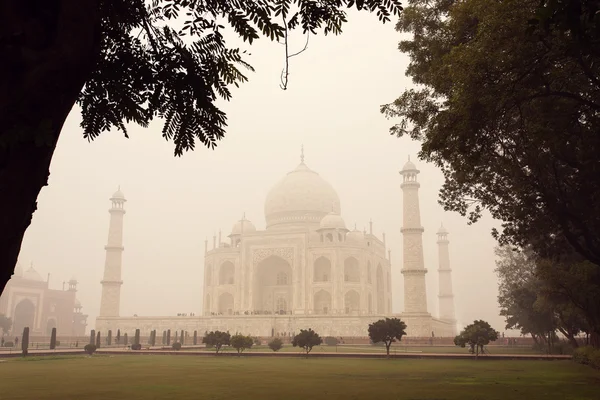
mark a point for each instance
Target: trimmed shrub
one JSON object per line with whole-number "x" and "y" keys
{"x": 25, "y": 341}
{"x": 53, "y": 339}
{"x": 136, "y": 346}
{"x": 109, "y": 338}
{"x": 136, "y": 338}
{"x": 93, "y": 337}
{"x": 195, "y": 338}
{"x": 9, "y": 344}
{"x": 276, "y": 344}
{"x": 176, "y": 346}
{"x": 98, "y": 343}
{"x": 587, "y": 355}
{"x": 331, "y": 341}
{"x": 257, "y": 341}
{"x": 90, "y": 349}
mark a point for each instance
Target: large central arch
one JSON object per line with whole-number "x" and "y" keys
{"x": 24, "y": 316}
{"x": 272, "y": 288}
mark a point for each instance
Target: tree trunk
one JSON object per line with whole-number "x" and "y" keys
{"x": 48, "y": 49}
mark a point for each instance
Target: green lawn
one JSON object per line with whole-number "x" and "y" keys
{"x": 182, "y": 378}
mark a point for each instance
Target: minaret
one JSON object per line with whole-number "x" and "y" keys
{"x": 446, "y": 298}
{"x": 111, "y": 283}
{"x": 415, "y": 291}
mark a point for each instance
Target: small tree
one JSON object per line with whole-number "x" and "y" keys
{"x": 125, "y": 339}
{"x": 307, "y": 339}
{"x": 276, "y": 344}
{"x": 136, "y": 339}
{"x": 182, "y": 337}
{"x": 476, "y": 335}
{"x": 5, "y": 324}
{"x": 118, "y": 338}
{"x": 25, "y": 341}
{"x": 195, "y": 338}
{"x": 152, "y": 338}
{"x": 93, "y": 337}
{"x": 241, "y": 342}
{"x": 53, "y": 339}
{"x": 98, "y": 340}
{"x": 164, "y": 338}
{"x": 387, "y": 331}
{"x": 217, "y": 339}
{"x": 168, "y": 337}
{"x": 109, "y": 338}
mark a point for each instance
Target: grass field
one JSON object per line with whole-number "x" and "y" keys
{"x": 182, "y": 378}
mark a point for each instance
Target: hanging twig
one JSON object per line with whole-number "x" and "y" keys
{"x": 286, "y": 71}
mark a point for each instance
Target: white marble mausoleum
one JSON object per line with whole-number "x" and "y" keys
{"x": 306, "y": 269}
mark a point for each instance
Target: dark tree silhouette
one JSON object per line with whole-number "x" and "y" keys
{"x": 124, "y": 61}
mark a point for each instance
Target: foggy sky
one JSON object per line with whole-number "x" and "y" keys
{"x": 331, "y": 107}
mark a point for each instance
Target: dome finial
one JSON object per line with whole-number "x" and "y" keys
{"x": 302, "y": 154}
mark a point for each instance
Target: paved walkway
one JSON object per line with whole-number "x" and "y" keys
{"x": 115, "y": 351}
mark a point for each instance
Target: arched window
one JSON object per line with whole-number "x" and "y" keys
{"x": 282, "y": 278}
{"x": 322, "y": 270}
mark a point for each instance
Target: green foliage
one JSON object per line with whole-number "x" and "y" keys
{"x": 587, "y": 355}
{"x": 182, "y": 337}
{"x": 9, "y": 344}
{"x": 195, "y": 338}
{"x": 216, "y": 339}
{"x": 136, "y": 346}
{"x": 118, "y": 337}
{"x": 25, "y": 341}
{"x": 53, "y": 339}
{"x": 90, "y": 348}
{"x": 176, "y": 346}
{"x": 476, "y": 335}
{"x": 331, "y": 341}
{"x": 307, "y": 339}
{"x": 168, "y": 337}
{"x": 275, "y": 344}
{"x": 148, "y": 68}
{"x": 125, "y": 340}
{"x": 164, "y": 338}
{"x": 93, "y": 336}
{"x": 531, "y": 303}
{"x": 98, "y": 342}
{"x": 136, "y": 338}
{"x": 5, "y": 324}
{"x": 241, "y": 342}
{"x": 109, "y": 338}
{"x": 510, "y": 112}
{"x": 387, "y": 331}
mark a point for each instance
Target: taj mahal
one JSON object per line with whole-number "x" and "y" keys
{"x": 306, "y": 269}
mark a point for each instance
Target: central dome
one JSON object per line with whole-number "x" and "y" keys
{"x": 301, "y": 196}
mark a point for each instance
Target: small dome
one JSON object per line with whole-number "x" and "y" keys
{"x": 332, "y": 221}
{"x": 243, "y": 226}
{"x": 32, "y": 275}
{"x": 442, "y": 230}
{"x": 18, "y": 270}
{"x": 409, "y": 166}
{"x": 355, "y": 236}
{"x": 118, "y": 194}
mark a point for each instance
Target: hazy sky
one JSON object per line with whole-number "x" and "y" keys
{"x": 331, "y": 107}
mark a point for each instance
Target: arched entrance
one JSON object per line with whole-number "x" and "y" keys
{"x": 322, "y": 270}
{"x": 24, "y": 316}
{"x": 226, "y": 304}
{"x": 272, "y": 286}
{"x": 351, "y": 270}
{"x": 351, "y": 302}
{"x": 322, "y": 302}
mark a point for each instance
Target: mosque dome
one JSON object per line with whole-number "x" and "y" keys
{"x": 302, "y": 195}
{"x": 243, "y": 226}
{"x": 18, "y": 270}
{"x": 332, "y": 221}
{"x": 32, "y": 275}
{"x": 355, "y": 236}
